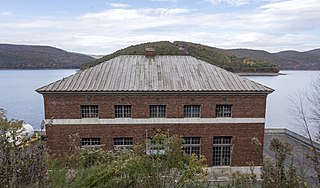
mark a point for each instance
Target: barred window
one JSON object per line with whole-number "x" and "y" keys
{"x": 89, "y": 111}
{"x": 223, "y": 110}
{"x": 122, "y": 111}
{"x": 157, "y": 111}
{"x": 155, "y": 147}
{"x": 222, "y": 151}
{"x": 121, "y": 143}
{"x": 192, "y": 145}
{"x": 90, "y": 142}
{"x": 192, "y": 111}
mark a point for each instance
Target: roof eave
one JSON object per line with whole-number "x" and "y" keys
{"x": 266, "y": 92}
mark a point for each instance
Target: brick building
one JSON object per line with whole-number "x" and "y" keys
{"x": 123, "y": 101}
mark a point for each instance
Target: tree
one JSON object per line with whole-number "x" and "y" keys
{"x": 306, "y": 113}
{"x": 274, "y": 172}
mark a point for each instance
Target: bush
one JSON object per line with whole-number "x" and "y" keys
{"x": 93, "y": 167}
{"x": 22, "y": 161}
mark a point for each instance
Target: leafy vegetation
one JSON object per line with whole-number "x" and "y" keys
{"x": 93, "y": 167}
{"x": 39, "y": 57}
{"x": 25, "y": 163}
{"x": 22, "y": 163}
{"x": 275, "y": 173}
{"x": 209, "y": 54}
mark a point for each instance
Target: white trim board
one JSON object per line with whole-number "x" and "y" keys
{"x": 96, "y": 121}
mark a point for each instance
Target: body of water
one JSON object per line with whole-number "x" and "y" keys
{"x": 19, "y": 98}
{"x": 286, "y": 87}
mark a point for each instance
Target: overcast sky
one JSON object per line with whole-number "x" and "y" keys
{"x": 103, "y": 26}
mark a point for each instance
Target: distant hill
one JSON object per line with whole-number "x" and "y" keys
{"x": 286, "y": 60}
{"x": 314, "y": 52}
{"x": 209, "y": 54}
{"x": 39, "y": 57}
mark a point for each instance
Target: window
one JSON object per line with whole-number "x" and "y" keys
{"x": 222, "y": 151}
{"x": 158, "y": 111}
{"x": 121, "y": 143}
{"x": 122, "y": 111}
{"x": 89, "y": 111}
{"x": 223, "y": 110}
{"x": 155, "y": 147}
{"x": 90, "y": 142}
{"x": 192, "y": 111}
{"x": 191, "y": 145}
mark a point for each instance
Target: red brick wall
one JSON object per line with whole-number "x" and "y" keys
{"x": 243, "y": 151}
{"x": 68, "y": 106}
{"x": 251, "y": 106}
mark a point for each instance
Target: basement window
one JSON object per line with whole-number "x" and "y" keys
{"x": 222, "y": 146}
{"x": 91, "y": 142}
{"x": 192, "y": 145}
{"x": 123, "y": 143}
{"x": 192, "y": 111}
{"x": 223, "y": 110}
{"x": 158, "y": 111}
{"x": 122, "y": 111}
{"x": 89, "y": 111}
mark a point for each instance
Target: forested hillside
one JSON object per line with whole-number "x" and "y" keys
{"x": 206, "y": 53}
{"x": 286, "y": 60}
{"x": 39, "y": 57}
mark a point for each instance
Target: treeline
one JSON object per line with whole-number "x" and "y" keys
{"x": 209, "y": 54}
{"x": 39, "y": 57}
{"x": 285, "y": 60}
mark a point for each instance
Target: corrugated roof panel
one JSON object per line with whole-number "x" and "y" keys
{"x": 96, "y": 80}
{"x": 89, "y": 78}
{"x": 79, "y": 82}
{"x": 102, "y": 79}
{"x": 109, "y": 72}
{"x": 161, "y": 73}
{"x": 73, "y": 81}
{"x": 113, "y": 85}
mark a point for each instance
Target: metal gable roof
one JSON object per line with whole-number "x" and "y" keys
{"x": 136, "y": 73}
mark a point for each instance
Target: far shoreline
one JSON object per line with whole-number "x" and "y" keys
{"x": 259, "y": 73}
{"x": 9, "y": 69}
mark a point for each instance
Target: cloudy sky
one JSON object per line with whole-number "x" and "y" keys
{"x": 104, "y": 26}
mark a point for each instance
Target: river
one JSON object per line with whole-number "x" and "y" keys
{"x": 19, "y": 98}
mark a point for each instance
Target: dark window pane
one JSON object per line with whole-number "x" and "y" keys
{"x": 222, "y": 151}
{"x": 223, "y": 110}
{"x": 90, "y": 142}
{"x": 122, "y": 111}
{"x": 192, "y": 145}
{"x": 89, "y": 111}
{"x": 191, "y": 111}
{"x": 157, "y": 111}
